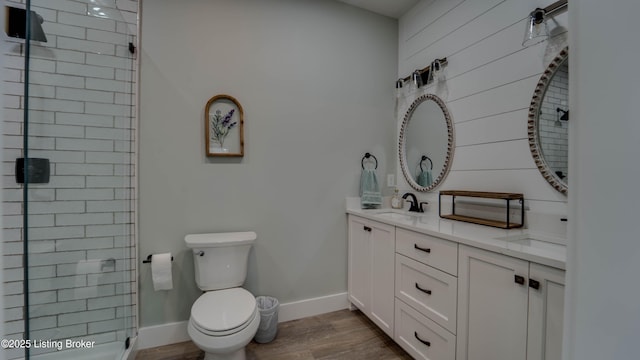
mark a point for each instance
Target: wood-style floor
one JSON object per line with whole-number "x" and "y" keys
{"x": 338, "y": 335}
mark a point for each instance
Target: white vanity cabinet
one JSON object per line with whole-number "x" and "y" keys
{"x": 508, "y": 308}
{"x": 444, "y": 298}
{"x": 371, "y": 270}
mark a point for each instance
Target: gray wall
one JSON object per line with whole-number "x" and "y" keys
{"x": 602, "y": 291}
{"x": 316, "y": 81}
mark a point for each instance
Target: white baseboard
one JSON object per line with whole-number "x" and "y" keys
{"x": 160, "y": 335}
{"x": 171, "y": 333}
{"x": 311, "y": 307}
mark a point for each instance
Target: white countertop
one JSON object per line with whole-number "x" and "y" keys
{"x": 547, "y": 250}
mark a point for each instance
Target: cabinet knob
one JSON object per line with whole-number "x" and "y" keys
{"x": 426, "y": 291}
{"x": 519, "y": 279}
{"x": 427, "y": 250}
{"x": 366, "y": 228}
{"x": 428, "y": 343}
{"x": 535, "y": 284}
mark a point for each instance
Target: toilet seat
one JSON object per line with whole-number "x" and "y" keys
{"x": 223, "y": 312}
{"x": 224, "y": 332}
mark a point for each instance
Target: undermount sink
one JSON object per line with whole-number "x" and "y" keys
{"x": 536, "y": 243}
{"x": 397, "y": 215}
{"x": 400, "y": 215}
{"x": 539, "y": 244}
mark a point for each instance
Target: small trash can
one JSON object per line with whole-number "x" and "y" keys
{"x": 268, "y": 328}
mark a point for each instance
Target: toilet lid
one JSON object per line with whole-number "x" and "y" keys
{"x": 222, "y": 310}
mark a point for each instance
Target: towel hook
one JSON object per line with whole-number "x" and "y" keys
{"x": 367, "y": 156}
{"x": 425, "y": 157}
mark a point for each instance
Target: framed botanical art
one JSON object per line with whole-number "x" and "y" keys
{"x": 224, "y": 125}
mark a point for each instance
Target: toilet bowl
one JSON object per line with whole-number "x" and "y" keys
{"x": 225, "y": 317}
{"x": 223, "y": 322}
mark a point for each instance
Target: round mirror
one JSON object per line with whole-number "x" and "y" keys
{"x": 426, "y": 143}
{"x": 548, "y": 122}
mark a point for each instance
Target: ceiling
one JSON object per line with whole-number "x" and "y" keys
{"x": 391, "y": 8}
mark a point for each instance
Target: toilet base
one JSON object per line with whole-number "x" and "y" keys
{"x": 228, "y": 347}
{"x": 237, "y": 355}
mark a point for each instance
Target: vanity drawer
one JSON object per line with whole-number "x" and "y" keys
{"x": 438, "y": 253}
{"x": 421, "y": 337}
{"x": 430, "y": 291}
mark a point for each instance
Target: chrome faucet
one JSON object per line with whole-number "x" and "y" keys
{"x": 413, "y": 201}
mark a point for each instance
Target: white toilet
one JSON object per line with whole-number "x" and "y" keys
{"x": 225, "y": 318}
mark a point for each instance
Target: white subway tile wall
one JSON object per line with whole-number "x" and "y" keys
{"x": 81, "y": 242}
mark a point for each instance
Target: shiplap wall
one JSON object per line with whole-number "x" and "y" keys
{"x": 490, "y": 79}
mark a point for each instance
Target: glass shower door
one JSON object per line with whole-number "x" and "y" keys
{"x": 78, "y": 202}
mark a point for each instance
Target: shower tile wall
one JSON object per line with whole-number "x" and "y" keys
{"x": 82, "y": 119}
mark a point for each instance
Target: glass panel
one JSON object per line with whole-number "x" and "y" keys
{"x": 80, "y": 220}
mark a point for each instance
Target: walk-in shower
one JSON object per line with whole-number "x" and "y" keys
{"x": 68, "y": 180}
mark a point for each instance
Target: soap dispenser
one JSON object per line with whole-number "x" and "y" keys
{"x": 396, "y": 201}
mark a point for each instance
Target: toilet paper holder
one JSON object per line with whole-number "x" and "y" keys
{"x": 148, "y": 261}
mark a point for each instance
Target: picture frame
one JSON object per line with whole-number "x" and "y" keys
{"x": 224, "y": 127}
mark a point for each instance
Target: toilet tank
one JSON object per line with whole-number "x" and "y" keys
{"x": 220, "y": 259}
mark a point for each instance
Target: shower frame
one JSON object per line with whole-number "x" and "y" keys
{"x": 99, "y": 274}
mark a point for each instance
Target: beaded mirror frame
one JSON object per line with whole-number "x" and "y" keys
{"x": 402, "y": 143}
{"x": 533, "y": 123}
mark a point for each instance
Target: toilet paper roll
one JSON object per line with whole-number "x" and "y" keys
{"x": 161, "y": 271}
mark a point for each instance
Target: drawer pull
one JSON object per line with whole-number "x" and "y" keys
{"x": 428, "y": 292}
{"x": 415, "y": 333}
{"x": 535, "y": 284}
{"x": 519, "y": 279}
{"x": 427, "y": 250}
{"x": 366, "y": 228}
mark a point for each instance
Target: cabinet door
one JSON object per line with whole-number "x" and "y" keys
{"x": 382, "y": 275}
{"x": 359, "y": 263}
{"x": 546, "y": 305}
{"x": 492, "y": 311}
